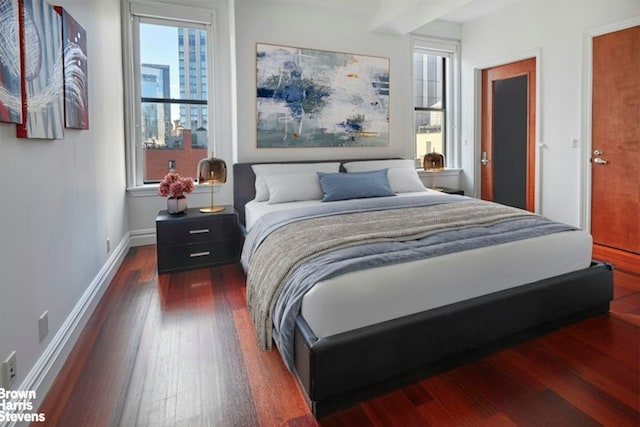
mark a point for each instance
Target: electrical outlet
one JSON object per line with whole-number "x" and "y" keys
{"x": 9, "y": 371}
{"x": 43, "y": 326}
{"x": 108, "y": 245}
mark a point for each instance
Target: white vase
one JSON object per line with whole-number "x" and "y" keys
{"x": 176, "y": 205}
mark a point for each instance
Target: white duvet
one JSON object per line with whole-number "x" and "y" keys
{"x": 367, "y": 297}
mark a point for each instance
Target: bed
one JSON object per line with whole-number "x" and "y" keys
{"x": 344, "y": 347}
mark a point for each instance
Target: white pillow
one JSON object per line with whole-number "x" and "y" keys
{"x": 404, "y": 180}
{"x": 372, "y": 165}
{"x": 293, "y": 187}
{"x": 262, "y": 191}
{"x": 402, "y": 173}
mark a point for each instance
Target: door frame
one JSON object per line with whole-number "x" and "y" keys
{"x": 477, "y": 146}
{"x": 587, "y": 96}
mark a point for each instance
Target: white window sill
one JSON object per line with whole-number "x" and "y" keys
{"x": 151, "y": 190}
{"x": 445, "y": 172}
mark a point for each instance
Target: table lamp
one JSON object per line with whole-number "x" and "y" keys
{"x": 433, "y": 163}
{"x": 212, "y": 171}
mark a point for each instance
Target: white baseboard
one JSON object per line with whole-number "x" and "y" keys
{"x": 143, "y": 237}
{"x": 41, "y": 376}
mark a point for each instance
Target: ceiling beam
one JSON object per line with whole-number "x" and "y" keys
{"x": 401, "y": 17}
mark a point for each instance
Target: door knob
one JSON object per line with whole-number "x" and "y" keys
{"x": 599, "y": 161}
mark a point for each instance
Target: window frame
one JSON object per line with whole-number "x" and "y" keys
{"x": 451, "y": 94}
{"x": 163, "y": 14}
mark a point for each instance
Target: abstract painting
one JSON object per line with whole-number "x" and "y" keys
{"x": 42, "y": 74}
{"x": 76, "y": 90}
{"x": 317, "y": 98}
{"x": 10, "y": 81}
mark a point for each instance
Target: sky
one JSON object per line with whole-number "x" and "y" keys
{"x": 152, "y": 36}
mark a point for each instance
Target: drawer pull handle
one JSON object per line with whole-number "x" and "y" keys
{"x": 199, "y": 254}
{"x": 199, "y": 231}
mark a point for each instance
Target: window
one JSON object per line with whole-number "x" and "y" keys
{"x": 434, "y": 99}
{"x": 168, "y": 127}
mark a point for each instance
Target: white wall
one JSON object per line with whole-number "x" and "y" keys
{"x": 62, "y": 200}
{"x": 555, "y": 28}
{"x": 322, "y": 28}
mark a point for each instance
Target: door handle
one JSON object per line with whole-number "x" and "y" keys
{"x": 483, "y": 158}
{"x": 599, "y": 161}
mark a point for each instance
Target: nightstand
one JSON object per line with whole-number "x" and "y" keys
{"x": 451, "y": 191}
{"x": 194, "y": 239}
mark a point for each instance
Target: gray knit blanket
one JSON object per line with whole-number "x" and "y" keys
{"x": 278, "y": 255}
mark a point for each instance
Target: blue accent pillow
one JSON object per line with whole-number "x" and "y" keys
{"x": 355, "y": 185}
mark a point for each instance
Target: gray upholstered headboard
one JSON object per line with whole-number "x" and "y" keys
{"x": 244, "y": 189}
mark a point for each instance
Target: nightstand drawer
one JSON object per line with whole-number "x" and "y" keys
{"x": 196, "y": 230}
{"x": 196, "y": 255}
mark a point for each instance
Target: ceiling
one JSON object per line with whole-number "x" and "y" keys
{"x": 475, "y": 9}
{"x": 404, "y": 16}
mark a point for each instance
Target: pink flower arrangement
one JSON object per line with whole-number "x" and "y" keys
{"x": 173, "y": 185}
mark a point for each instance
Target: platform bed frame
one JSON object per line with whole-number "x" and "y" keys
{"x": 349, "y": 367}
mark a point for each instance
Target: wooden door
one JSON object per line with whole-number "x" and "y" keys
{"x": 615, "y": 159}
{"x": 508, "y": 134}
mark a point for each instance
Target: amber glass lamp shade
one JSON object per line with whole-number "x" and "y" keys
{"x": 212, "y": 171}
{"x": 433, "y": 162}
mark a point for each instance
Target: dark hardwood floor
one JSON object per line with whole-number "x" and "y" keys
{"x": 626, "y": 304}
{"x": 179, "y": 350}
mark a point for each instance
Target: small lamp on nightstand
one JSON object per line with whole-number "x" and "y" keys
{"x": 212, "y": 171}
{"x": 433, "y": 163}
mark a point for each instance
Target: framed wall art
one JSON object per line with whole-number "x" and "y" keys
{"x": 76, "y": 89}
{"x": 43, "y": 112}
{"x": 317, "y": 98}
{"x": 10, "y": 71}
